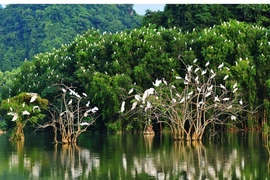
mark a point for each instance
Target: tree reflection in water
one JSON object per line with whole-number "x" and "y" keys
{"x": 137, "y": 157}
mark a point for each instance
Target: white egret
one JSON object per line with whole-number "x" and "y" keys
{"x": 197, "y": 80}
{"x": 94, "y": 110}
{"x": 207, "y": 64}
{"x": 130, "y": 91}
{"x": 241, "y": 102}
{"x": 235, "y": 85}
{"x": 208, "y": 94}
{"x": 210, "y": 88}
{"x": 164, "y": 81}
{"x": 226, "y": 99}
{"x": 134, "y": 105}
{"x": 123, "y": 107}
{"x": 85, "y": 124}
{"x": 147, "y": 92}
{"x": 213, "y": 75}
{"x": 226, "y": 77}
{"x": 34, "y": 96}
{"x": 148, "y": 106}
{"x": 223, "y": 87}
{"x": 173, "y": 100}
{"x": 221, "y": 65}
{"x": 23, "y": 104}
{"x": 138, "y": 97}
{"x": 70, "y": 102}
{"x": 216, "y": 99}
{"x": 196, "y": 70}
{"x": 15, "y": 115}
{"x": 233, "y": 118}
{"x": 157, "y": 82}
{"x": 25, "y": 112}
{"x": 186, "y": 78}
{"x": 189, "y": 68}
{"x": 84, "y": 94}
{"x": 88, "y": 103}
{"x": 204, "y": 72}
{"x": 182, "y": 100}
{"x": 234, "y": 90}
{"x": 36, "y": 107}
{"x": 195, "y": 60}
{"x": 178, "y": 77}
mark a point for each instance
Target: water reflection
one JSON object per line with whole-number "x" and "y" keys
{"x": 234, "y": 156}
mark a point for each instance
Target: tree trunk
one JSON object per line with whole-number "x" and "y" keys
{"x": 18, "y": 133}
{"x": 148, "y": 130}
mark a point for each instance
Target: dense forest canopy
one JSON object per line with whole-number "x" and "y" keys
{"x": 105, "y": 65}
{"x": 189, "y": 16}
{"x": 31, "y": 29}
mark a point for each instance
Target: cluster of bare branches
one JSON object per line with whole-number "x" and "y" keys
{"x": 197, "y": 102}
{"x": 72, "y": 117}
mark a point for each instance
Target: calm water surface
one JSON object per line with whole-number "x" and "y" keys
{"x": 231, "y": 156}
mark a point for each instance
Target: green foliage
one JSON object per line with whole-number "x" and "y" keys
{"x": 31, "y": 29}
{"x": 104, "y": 64}
{"x": 22, "y": 109}
{"x": 199, "y": 16}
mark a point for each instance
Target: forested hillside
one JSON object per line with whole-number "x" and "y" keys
{"x": 30, "y": 29}
{"x": 189, "y": 16}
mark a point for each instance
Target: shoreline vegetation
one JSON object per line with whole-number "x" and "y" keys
{"x": 204, "y": 71}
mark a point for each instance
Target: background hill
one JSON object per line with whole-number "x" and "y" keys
{"x": 30, "y": 29}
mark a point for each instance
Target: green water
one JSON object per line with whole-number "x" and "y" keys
{"x": 231, "y": 156}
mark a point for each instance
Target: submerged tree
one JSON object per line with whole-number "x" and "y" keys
{"x": 70, "y": 118}
{"x": 191, "y": 103}
{"x": 24, "y": 108}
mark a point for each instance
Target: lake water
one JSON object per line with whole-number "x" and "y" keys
{"x": 239, "y": 155}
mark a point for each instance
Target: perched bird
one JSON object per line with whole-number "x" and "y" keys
{"x": 130, "y": 91}
{"x": 221, "y": 65}
{"x": 85, "y": 124}
{"x": 226, "y": 77}
{"x": 157, "y": 82}
{"x": 123, "y": 107}
{"x": 70, "y": 102}
{"x": 233, "y": 118}
{"x": 223, "y": 87}
{"x": 64, "y": 90}
{"x": 15, "y": 115}
{"x": 34, "y": 97}
{"x": 241, "y": 102}
{"x": 36, "y": 107}
{"x": 134, "y": 105}
{"x": 25, "y": 112}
